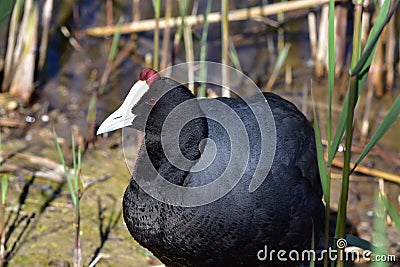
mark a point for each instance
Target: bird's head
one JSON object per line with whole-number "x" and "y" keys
{"x": 149, "y": 101}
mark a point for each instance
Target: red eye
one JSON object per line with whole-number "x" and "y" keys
{"x": 152, "y": 101}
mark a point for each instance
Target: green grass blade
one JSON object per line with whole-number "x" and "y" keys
{"x": 73, "y": 157}
{"x": 69, "y": 183}
{"x": 331, "y": 68}
{"x": 382, "y": 19}
{"x": 157, "y": 7}
{"x": 389, "y": 119}
{"x": 79, "y": 168}
{"x": 114, "y": 44}
{"x": 91, "y": 115}
{"x": 392, "y": 213}
{"x": 279, "y": 63}
{"x": 157, "y": 12}
{"x": 233, "y": 55}
{"x": 320, "y": 156}
{"x": 4, "y": 188}
{"x": 188, "y": 40}
{"x": 339, "y": 132}
{"x": 203, "y": 51}
{"x": 341, "y": 127}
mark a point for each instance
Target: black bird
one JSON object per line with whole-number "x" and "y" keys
{"x": 241, "y": 228}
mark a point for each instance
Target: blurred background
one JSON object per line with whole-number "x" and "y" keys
{"x": 66, "y": 65}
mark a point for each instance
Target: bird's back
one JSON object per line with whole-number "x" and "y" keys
{"x": 230, "y": 231}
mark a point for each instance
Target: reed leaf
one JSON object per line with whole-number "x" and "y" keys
{"x": 69, "y": 182}
{"x": 320, "y": 156}
{"x": 156, "y": 39}
{"x": 324, "y": 176}
{"x": 188, "y": 41}
{"x": 366, "y": 57}
{"x": 390, "y": 210}
{"x": 233, "y": 55}
{"x": 340, "y": 129}
{"x": 114, "y": 44}
{"x": 331, "y": 67}
{"x": 91, "y": 115}
{"x": 76, "y": 159}
{"x": 109, "y": 65}
{"x": 79, "y": 168}
{"x": 387, "y": 122}
{"x": 225, "y": 45}
{"x": 203, "y": 52}
{"x": 279, "y": 63}
{"x": 166, "y": 35}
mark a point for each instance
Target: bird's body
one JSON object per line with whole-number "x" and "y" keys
{"x": 231, "y": 231}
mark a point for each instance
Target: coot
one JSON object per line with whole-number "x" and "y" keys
{"x": 241, "y": 228}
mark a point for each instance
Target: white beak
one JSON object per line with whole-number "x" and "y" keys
{"x": 123, "y": 115}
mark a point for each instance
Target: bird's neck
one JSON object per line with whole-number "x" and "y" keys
{"x": 167, "y": 139}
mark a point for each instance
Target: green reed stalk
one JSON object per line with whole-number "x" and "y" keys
{"x": 188, "y": 41}
{"x": 225, "y": 45}
{"x": 156, "y": 40}
{"x": 75, "y": 193}
{"x": 360, "y": 65}
{"x": 341, "y": 222}
{"x": 326, "y": 175}
{"x": 203, "y": 52}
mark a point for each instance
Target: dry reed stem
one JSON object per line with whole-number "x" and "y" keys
{"x": 109, "y": 22}
{"x": 12, "y": 37}
{"x": 365, "y": 27}
{"x": 47, "y": 10}
{"x": 340, "y": 35}
{"x": 135, "y": 17}
{"x": 22, "y": 82}
{"x": 390, "y": 49}
{"x": 375, "y": 75}
{"x": 234, "y": 15}
{"x": 369, "y": 171}
{"x": 322, "y": 48}
{"x": 312, "y": 32}
{"x": 188, "y": 42}
{"x": 44, "y": 168}
{"x": 367, "y": 112}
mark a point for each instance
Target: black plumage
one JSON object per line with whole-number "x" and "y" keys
{"x": 230, "y": 231}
